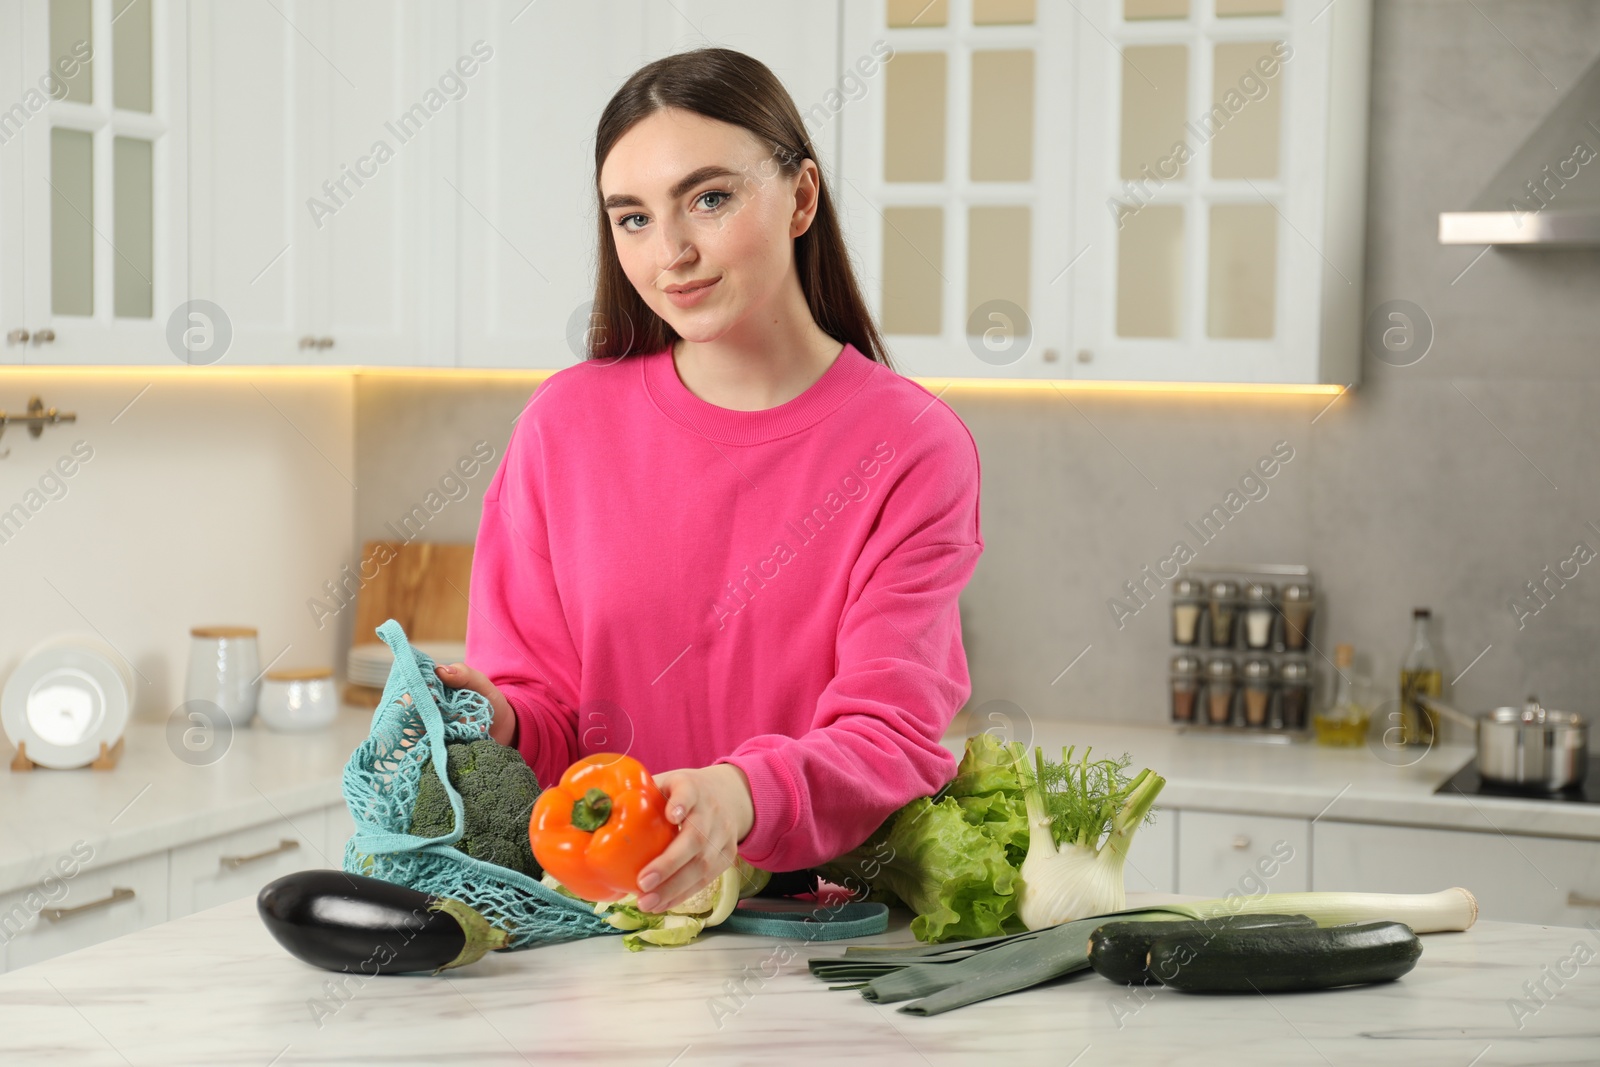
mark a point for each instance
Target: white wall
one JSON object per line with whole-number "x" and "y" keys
{"x": 226, "y": 500}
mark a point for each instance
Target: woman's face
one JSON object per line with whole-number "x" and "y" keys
{"x": 692, "y": 200}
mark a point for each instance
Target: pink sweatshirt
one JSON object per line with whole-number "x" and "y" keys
{"x": 774, "y": 589}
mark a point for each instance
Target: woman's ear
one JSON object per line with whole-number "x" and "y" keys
{"x": 807, "y": 196}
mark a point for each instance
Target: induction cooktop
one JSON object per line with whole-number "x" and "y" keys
{"x": 1468, "y": 782}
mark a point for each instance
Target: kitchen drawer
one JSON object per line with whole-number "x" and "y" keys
{"x": 1516, "y": 878}
{"x": 1219, "y": 853}
{"x": 341, "y": 827}
{"x": 95, "y": 904}
{"x": 228, "y": 866}
{"x": 1153, "y": 856}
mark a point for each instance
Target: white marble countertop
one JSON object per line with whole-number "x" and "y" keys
{"x": 1305, "y": 780}
{"x": 152, "y": 800}
{"x": 213, "y": 988}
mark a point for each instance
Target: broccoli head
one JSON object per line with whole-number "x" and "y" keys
{"x": 497, "y": 790}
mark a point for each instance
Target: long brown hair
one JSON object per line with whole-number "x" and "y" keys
{"x": 731, "y": 87}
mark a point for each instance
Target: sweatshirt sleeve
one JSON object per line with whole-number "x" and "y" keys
{"x": 874, "y": 743}
{"x": 517, "y": 632}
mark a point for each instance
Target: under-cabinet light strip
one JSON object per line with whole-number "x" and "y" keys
{"x": 1069, "y": 385}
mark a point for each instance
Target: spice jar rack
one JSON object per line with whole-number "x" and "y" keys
{"x": 1241, "y": 642}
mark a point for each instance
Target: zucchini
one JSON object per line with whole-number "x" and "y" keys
{"x": 1118, "y": 950}
{"x": 1275, "y": 960}
{"x": 352, "y": 923}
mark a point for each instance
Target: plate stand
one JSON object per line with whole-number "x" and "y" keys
{"x": 107, "y": 760}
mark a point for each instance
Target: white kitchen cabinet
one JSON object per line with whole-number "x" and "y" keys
{"x": 1221, "y": 853}
{"x": 93, "y": 180}
{"x": 522, "y": 190}
{"x": 1112, "y": 190}
{"x": 519, "y": 189}
{"x": 1152, "y": 864}
{"x": 340, "y": 828}
{"x": 12, "y": 261}
{"x": 223, "y": 868}
{"x": 97, "y": 904}
{"x": 1516, "y": 878}
{"x": 316, "y": 130}
{"x": 251, "y": 248}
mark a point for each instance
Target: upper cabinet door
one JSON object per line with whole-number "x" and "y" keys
{"x": 521, "y": 187}
{"x": 103, "y": 190}
{"x": 375, "y": 115}
{"x": 1143, "y": 190}
{"x": 1221, "y": 190}
{"x": 956, "y": 165}
{"x": 527, "y": 214}
{"x": 316, "y": 131}
{"x": 251, "y": 237}
{"x": 13, "y": 331}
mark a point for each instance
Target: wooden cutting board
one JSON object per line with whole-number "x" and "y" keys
{"x": 422, "y": 586}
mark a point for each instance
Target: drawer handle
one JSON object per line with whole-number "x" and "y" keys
{"x": 1576, "y": 899}
{"x": 287, "y": 844}
{"x": 55, "y": 915}
{"x": 1240, "y": 842}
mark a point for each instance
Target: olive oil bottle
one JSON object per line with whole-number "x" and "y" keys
{"x": 1345, "y": 721}
{"x": 1419, "y": 676}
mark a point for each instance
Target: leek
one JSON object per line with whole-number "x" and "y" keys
{"x": 1081, "y": 819}
{"x": 936, "y": 979}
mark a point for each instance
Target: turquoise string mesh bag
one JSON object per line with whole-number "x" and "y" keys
{"x": 416, "y": 718}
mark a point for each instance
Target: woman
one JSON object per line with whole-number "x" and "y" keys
{"x": 732, "y": 540}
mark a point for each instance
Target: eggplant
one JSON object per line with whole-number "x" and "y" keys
{"x": 352, "y": 923}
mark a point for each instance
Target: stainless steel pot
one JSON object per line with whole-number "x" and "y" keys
{"x": 1531, "y": 746}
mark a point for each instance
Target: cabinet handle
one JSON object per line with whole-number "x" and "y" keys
{"x": 308, "y": 342}
{"x": 55, "y": 915}
{"x": 287, "y": 844}
{"x": 1576, "y": 899}
{"x": 43, "y": 337}
{"x": 17, "y": 337}
{"x": 325, "y": 342}
{"x": 1240, "y": 842}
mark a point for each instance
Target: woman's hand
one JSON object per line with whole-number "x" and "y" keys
{"x": 713, "y": 810}
{"x": 461, "y": 676}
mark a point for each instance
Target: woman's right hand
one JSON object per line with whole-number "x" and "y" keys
{"x": 461, "y": 676}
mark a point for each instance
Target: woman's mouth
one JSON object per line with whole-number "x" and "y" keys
{"x": 691, "y": 297}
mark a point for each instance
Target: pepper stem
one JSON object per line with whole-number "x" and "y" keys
{"x": 591, "y": 811}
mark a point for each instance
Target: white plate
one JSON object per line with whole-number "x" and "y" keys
{"x": 70, "y": 693}
{"x": 370, "y": 664}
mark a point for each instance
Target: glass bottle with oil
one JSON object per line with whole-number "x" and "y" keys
{"x": 1346, "y": 719}
{"x": 1419, "y": 676}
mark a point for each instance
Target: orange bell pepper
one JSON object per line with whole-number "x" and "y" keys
{"x": 598, "y": 827}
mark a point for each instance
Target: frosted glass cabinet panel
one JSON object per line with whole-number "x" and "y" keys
{"x": 1220, "y": 180}
{"x": 93, "y": 182}
{"x": 913, "y": 258}
{"x": 954, "y": 196}
{"x": 1191, "y": 173}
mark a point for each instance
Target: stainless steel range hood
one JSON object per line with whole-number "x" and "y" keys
{"x": 1548, "y": 193}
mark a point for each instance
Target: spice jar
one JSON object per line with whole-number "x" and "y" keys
{"x": 1295, "y": 704}
{"x": 1257, "y": 692}
{"x": 1185, "y": 687}
{"x": 1299, "y": 605}
{"x": 1220, "y": 686}
{"x": 1224, "y": 608}
{"x": 1188, "y": 596}
{"x": 1260, "y": 612}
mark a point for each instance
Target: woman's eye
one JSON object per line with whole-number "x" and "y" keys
{"x": 622, "y": 223}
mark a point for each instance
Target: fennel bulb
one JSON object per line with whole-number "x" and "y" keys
{"x": 1081, "y": 820}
